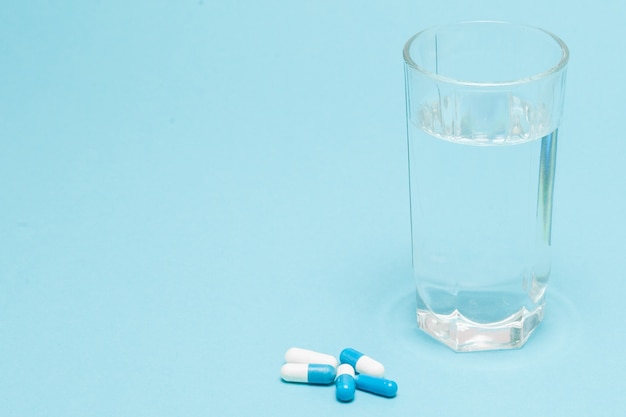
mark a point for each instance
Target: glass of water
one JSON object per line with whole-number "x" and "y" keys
{"x": 484, "y": 103}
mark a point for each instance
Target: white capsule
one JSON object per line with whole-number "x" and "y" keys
{"x": 299, "y": 355}
{"x": 362, "y": 363}
{"x": 308, "y": 373}
{"x": 344, "y": 383}
{"x": 369, "y": 366}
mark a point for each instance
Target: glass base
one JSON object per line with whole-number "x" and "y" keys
{"x": 463, "y": 335}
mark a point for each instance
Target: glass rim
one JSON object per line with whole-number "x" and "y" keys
{"x": 559, "y": 66}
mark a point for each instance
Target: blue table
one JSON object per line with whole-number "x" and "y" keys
{"x": 189, "y": 188}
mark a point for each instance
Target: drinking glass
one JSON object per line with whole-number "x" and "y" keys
{"x": 484, "y": 102}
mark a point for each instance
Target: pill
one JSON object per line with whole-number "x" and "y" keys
{"x": 362, "y": 363}
{"x": 299, "y": 355}
{"x": 308, "y": 373}
{"x": 375, "y": 385}
{"x": 345, "y": 382}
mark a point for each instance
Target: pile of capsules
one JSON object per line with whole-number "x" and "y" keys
{"x": 353, "y": 371}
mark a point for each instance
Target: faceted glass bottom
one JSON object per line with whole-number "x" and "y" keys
{"x": 463, "y": 335}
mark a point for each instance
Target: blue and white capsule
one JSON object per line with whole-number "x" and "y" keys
{"x": 308, "y": 373}
{"x": 363, "y": 364}
{"x": 345, "y": 383}
{"x": 375, "y": 385}
{"x": 299, "y": 355}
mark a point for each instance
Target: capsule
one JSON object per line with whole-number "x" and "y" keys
{"x": 363, "y": 364}
{"x": 299, "y": 355}
{"x": 375, "y": 385}
{"x": 345, "y": 382}
{"x": 308, "y": 373}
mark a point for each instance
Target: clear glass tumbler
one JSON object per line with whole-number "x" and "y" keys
{"x": 484, "y": 103}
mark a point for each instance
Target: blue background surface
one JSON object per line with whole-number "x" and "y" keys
{"x": 188, "y": 188}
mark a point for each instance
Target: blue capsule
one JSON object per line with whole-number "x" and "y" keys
{"x": 308, "y": 373}
{"x": 345, "y": 383}
{"x": 375, "y": 385}
{"x": 362, "y": 363}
